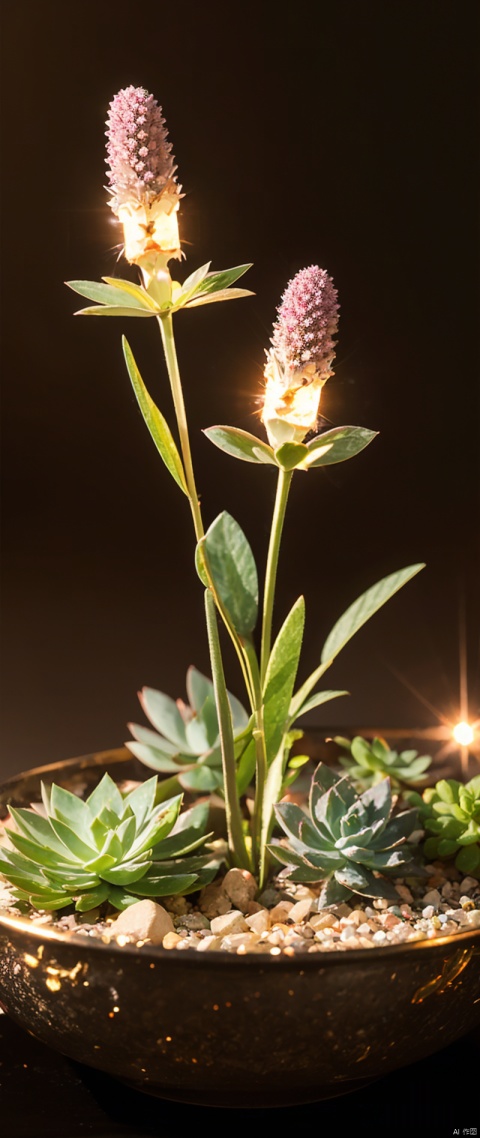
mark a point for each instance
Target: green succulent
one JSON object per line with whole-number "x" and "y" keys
{"x": 112, "y": 847}
{"x": 450, "y": 812}
{"x": 367, "y": 763}
{"x": 347, "y": 840}
{"x": 186, "y": 739}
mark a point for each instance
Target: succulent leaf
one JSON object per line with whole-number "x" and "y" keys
{"x": 348, "y": 840}
{"x": 450, "y": 813}
{"x": 370, "y": 763}
{"x": 129, "y": 839}
{"x": 186, "y": 739}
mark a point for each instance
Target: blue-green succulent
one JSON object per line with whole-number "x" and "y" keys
{"x": 185, "y": 741}
{"x": 367, "y": 763}
{"x": 348, "y": 841}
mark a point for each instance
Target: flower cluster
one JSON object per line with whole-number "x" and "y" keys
{"x": 141, "y": 174}
{"x": 300, "y": 359}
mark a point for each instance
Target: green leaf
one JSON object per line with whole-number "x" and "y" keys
{"x": 202, "y": 780}
{"x": 241, "y": 444}
{"x": 157, "y": 425}
{"x": 142, "y": 296}
{"x": 362, "y": 609}
{"x": 92, "y": 899}
{"x": 468, "y": 860}
{"x": 142, "y": 801}
{"x": 164, "y": 886}
{"x": 127, "y": 872}
{"x": 291, "y": 455}
{"x": 163, "y": 712}
{"x": 219, "y": 281}
{"x": 280, "y": 677}
{"x": 105, "y": 794}
{"x": 121, "y": 294}
{"x": 317, "y": 699}
{"x": 34, "y": 826}
{"x": 232, "y": 568}
{"x": 114, "y": 310}
{"x": 190, "y": 285}
{"x": 342, "y": 443}
{"x": 68, "y": 808}
{"x": 221, "y": 294}
{"x": 154, "y": 759}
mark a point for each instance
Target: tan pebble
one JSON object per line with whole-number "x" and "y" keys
{"x": 240, "y": 886}
{"x": 473, "y": 918}
{"x": 277, "y": 936}
{"x": 280, "y": 911}
{"x": 176, "y": 905}
{"x": 300, "y": 910}
{"x": 304, "y": 930}
{"x": 342, "y": 910}
{"x": 228, "y": 923}
{"x": 432, "y": 898}
{"x": 468, "y": 883}
{"x": 404, "y": 893}
{"x": 213, "y": 902}
{"x": 236, "y": 940}
{"x": 365, "y": 942}
{"x": 144, "y": 920}
{"x": 391, "y": 921}
{"x": 170, "y": 940}
{"x": 259, "y": 921}
{"x": 322, "y": 921}
{"x": 209, "y": 943}
{"x": 363, "y": 929}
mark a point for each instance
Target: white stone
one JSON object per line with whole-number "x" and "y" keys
{"x": 209, "y": 943}
{"x": 348, "y": 932}
{"x": 322, "y": 921}
{"x": 259, "y": 922}
{"x": 145, "y": 920}
{"x": 228, "y": 923}
{"x": 300, "y": 910}
{"x": 428, "y": 911}
{"x": 473, "y": 918}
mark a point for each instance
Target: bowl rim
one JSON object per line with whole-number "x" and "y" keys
{"x": 301, "y": 961}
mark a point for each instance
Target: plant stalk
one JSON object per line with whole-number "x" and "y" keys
{"x": 166, "y": 329}
{"x": 283, "y": 487}
{"x": 236, "y": 839}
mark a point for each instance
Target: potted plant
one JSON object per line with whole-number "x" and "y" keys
{"x": 273, "y": 1005}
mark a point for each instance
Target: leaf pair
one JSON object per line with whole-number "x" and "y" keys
{"x": 332, "y": 446}
{"x": 116, "y": 297}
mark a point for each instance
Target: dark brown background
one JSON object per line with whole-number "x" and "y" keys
{"x": 340, "y": 134}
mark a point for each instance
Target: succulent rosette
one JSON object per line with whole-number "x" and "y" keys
{"x": 348, "y": 841}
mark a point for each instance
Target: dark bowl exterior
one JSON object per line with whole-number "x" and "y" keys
{"x": 217, "y": 1029}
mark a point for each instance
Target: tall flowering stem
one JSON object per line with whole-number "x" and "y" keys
{"x": 299, "y": 362}
{"x": 168, "y": 340}
{"x": 283, "y": 486}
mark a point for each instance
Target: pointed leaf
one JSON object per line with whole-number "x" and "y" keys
{"x": 155, "y": 760}
{"x": 142, "y": 800}
{"x": 280, "y": 677}
{"x": 163, "y": 712}
{"x": 106, "y": 794}
{"x": 232, "y": 567}
{"x": 114, "y": 294}
{"x": 214, "y": 282}
{"x": 241, "y": 444}
{"x": 92, "y": 899}
{"x": 132, "y": 290}
{"x": 157, "y": 425}
{"x": 164, "y": 886}
{"x": 317, "y": 699}
{"x": 362, "y": 609}
{"x": 113, "y": 310}
{"x": 221, "y": 294}
{"x": 342, "y": 443}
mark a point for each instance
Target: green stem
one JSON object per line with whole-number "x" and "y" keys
{"x": 166, "y": 329}
{"x": 283, "y": 487}
{"x": 236, "y": 840}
